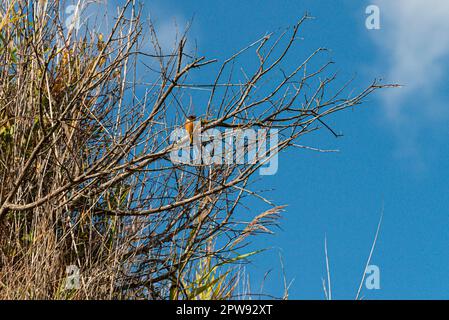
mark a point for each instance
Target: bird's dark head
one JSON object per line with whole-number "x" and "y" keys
{"x": 191, "y": 117}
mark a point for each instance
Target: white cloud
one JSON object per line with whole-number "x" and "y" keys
{"x": 413, "y": 50}
{"x": 415, "y": 41}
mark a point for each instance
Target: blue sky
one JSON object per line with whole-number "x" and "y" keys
{"x": 394, "y": 152}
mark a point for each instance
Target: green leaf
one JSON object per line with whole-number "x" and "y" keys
{"x": 13, "y": 55}
{"x": 197, "y": 291}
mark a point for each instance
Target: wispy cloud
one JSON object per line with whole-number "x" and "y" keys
{"x": 413, "y": 44}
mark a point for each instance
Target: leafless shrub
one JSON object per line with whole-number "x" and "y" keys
{"x": 86, "y": 178}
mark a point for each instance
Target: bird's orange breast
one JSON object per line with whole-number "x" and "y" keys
{"x": 189, "y": 129}
{"x": 189, "y": 126}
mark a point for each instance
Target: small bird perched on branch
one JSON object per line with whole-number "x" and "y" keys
{"x": 189, "y": 126}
